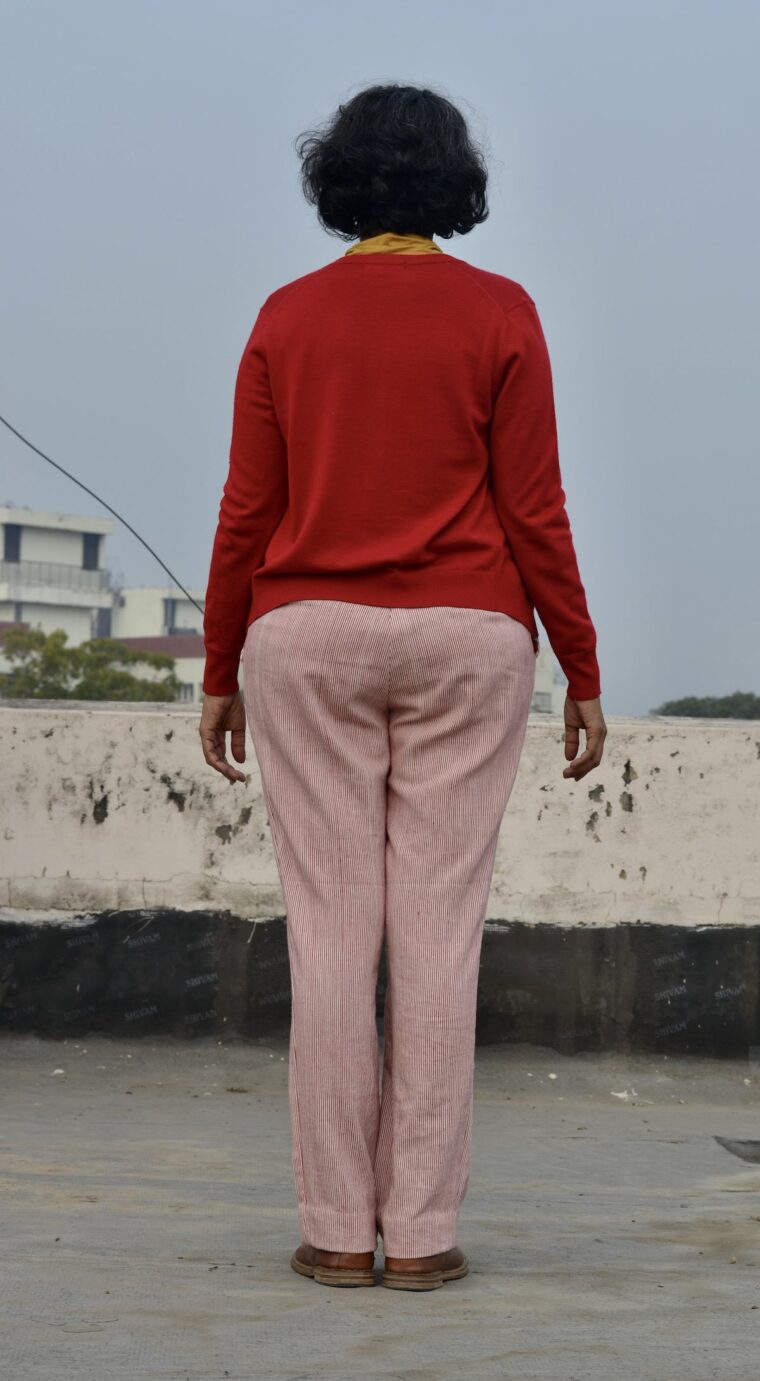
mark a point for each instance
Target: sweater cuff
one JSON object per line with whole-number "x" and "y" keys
{"x": 584, "y": 690}
{"x": 220, "y": 676}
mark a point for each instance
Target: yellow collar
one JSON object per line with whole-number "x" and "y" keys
{"x": 391, "y": 243}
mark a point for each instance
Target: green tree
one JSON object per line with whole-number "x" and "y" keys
{"x": 42, "y": 667}
{"x": 738, "y": 705}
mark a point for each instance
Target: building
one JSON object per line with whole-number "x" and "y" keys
{"x": 154, "y": 611}
{"x": 51, "y": 571}
{"x": 52, "y": 576}
{"x": 154, "y": 618}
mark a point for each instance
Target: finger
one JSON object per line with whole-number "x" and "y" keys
{"x": 588, "y": 759}
{"x": 237, "y": 741}
{"x": 227, "y": 770}
{"x": 579, "y": 768}
{"x": 572, "y": 740}
{"x": 213, "y": 752}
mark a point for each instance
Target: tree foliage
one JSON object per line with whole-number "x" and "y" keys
{"x": 42, "y": 667}
{"x": 738, "y": 705}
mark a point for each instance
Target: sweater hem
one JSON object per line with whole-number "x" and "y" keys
{"x": 396, "y": 587}
{"x": 393, "y": 587}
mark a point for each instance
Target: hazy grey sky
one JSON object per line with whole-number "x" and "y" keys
{"x": 151, "y": 202}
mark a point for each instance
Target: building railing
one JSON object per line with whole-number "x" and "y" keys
{"x": 53, "y": 573}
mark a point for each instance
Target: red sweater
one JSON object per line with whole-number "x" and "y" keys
{"x": 394, "y": 442}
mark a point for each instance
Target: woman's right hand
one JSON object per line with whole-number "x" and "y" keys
{"x": 221, "y": 715}
{"x": 583, "y": 714}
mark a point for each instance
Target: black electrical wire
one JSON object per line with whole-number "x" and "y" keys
{"x": 32, "y": 447}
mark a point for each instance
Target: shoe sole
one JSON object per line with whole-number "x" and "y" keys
{"x": 423, "y": 1280}
{"x": 333, "y": 1275}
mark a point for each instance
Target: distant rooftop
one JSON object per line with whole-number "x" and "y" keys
{"x": 63, "y": 522}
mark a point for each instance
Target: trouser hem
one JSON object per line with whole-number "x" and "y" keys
{"x": 338, "y": 1232}
{"x": 420, "y": 1238}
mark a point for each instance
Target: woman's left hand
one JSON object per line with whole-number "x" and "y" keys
{"x": 223, "y": 714}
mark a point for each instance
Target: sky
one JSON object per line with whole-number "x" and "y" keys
{"x": 151, "y": 202}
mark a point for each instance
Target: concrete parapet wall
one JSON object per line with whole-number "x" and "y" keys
{"x": 140, "y": 894}
{"x": 111, "y": 806}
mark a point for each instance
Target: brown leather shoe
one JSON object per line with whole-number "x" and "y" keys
{"x": 424, "y": 1272}
{"x": 334, "y": 1268}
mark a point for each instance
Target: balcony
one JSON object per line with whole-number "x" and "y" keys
{"x": 54, "y": 582}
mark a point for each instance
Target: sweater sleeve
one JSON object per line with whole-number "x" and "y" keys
{"x": 530, "y": 499}
{"x": 254, "y": 499}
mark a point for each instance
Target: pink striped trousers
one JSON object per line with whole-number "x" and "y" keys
{"x": 388, "y": 741}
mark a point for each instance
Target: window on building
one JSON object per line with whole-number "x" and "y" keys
{"x": 18, "y": 612}
{"x": 90, "y": 550}
{"x": 102, "y": 623}
{"x": 186, "y": 690}
{"x": 170, "y": 615}
{"x": 11, "y": 541}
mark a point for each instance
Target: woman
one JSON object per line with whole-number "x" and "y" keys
{"x": 392, "y": 514}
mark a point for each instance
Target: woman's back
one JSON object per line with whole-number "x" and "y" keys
{"x": 394, "y": 442}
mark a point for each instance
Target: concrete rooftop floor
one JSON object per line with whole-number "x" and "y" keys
{"x": 149, "y": 1215}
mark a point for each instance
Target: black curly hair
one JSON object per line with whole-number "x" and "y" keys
{"x": 397, "y": 158}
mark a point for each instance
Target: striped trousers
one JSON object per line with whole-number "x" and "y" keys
{"x": 388, "y": 742}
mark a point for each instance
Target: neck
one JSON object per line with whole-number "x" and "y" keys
{"x": 422, "y": 234}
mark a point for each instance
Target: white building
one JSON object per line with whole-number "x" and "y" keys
{"x": 52, "y": 576}
{"x": 51, "y": 571}
{"x": 155, "y": 618}
{"x": 155, "y": 611}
